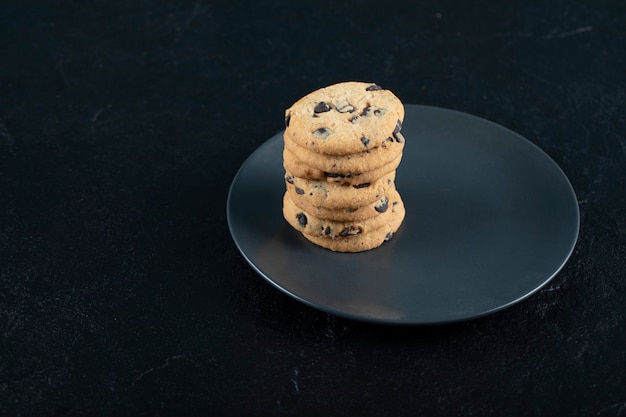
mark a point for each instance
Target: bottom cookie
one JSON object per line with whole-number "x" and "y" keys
{"x": 366, "y": 241}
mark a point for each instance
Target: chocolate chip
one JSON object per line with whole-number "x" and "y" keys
{"x": 322, "y": 132}
{"x": 354, "y": 119}
{"x": 398, "y": 126}
{"x": 302, "y": 220}
{"x": 289, "y": 179}
{"x": 388, "y": 236}
{"x": 383, "y": 206}
{"x": 396, "y": 132}
{"x": 287, "y": 119}
{"x": 327, "y": 230}
{"x": 333, "y": 175}
{"x": 379, "y": 112}
{"x": 345, "y": 107}
{"x": 399, "y": 137}
{"x": 321, "y": 107}
{"x": 373, "y": 87}
{"x": 350, "y": 231}
{"x": 366, "y": 111}
{"x": 365, "y": 140}
{"x": 386, "y": 143}
{"x": 364, "y": 185}
{"x": 299, "y": 191}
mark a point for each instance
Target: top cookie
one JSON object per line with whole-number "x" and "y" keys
{"x": 344, "y": 118}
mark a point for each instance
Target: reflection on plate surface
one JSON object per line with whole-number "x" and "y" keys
{"x": 490, "y": 220}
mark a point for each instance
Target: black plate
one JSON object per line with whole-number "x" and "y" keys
{"x": 490, "y": 220}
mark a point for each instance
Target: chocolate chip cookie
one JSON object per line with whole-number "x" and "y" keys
{"x": 307, "y": 223}
{"x": 321, "y": 193}
{"x": 348, "y": 214}
{"x": 344, "y": 118}
{"x": 350, "y": 163}
{"x": 300, "y": 169}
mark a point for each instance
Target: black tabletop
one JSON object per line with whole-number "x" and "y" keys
{"x": 122, "y": 125}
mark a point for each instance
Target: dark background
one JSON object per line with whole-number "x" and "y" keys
{"x": 122, "y": 125}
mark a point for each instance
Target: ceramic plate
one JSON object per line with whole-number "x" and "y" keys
{"x": 490, "y": 220}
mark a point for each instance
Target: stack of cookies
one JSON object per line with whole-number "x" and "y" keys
{"x": 342, "y": 145}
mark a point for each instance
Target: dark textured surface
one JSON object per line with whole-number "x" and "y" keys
{"x": 122, "y": 126}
